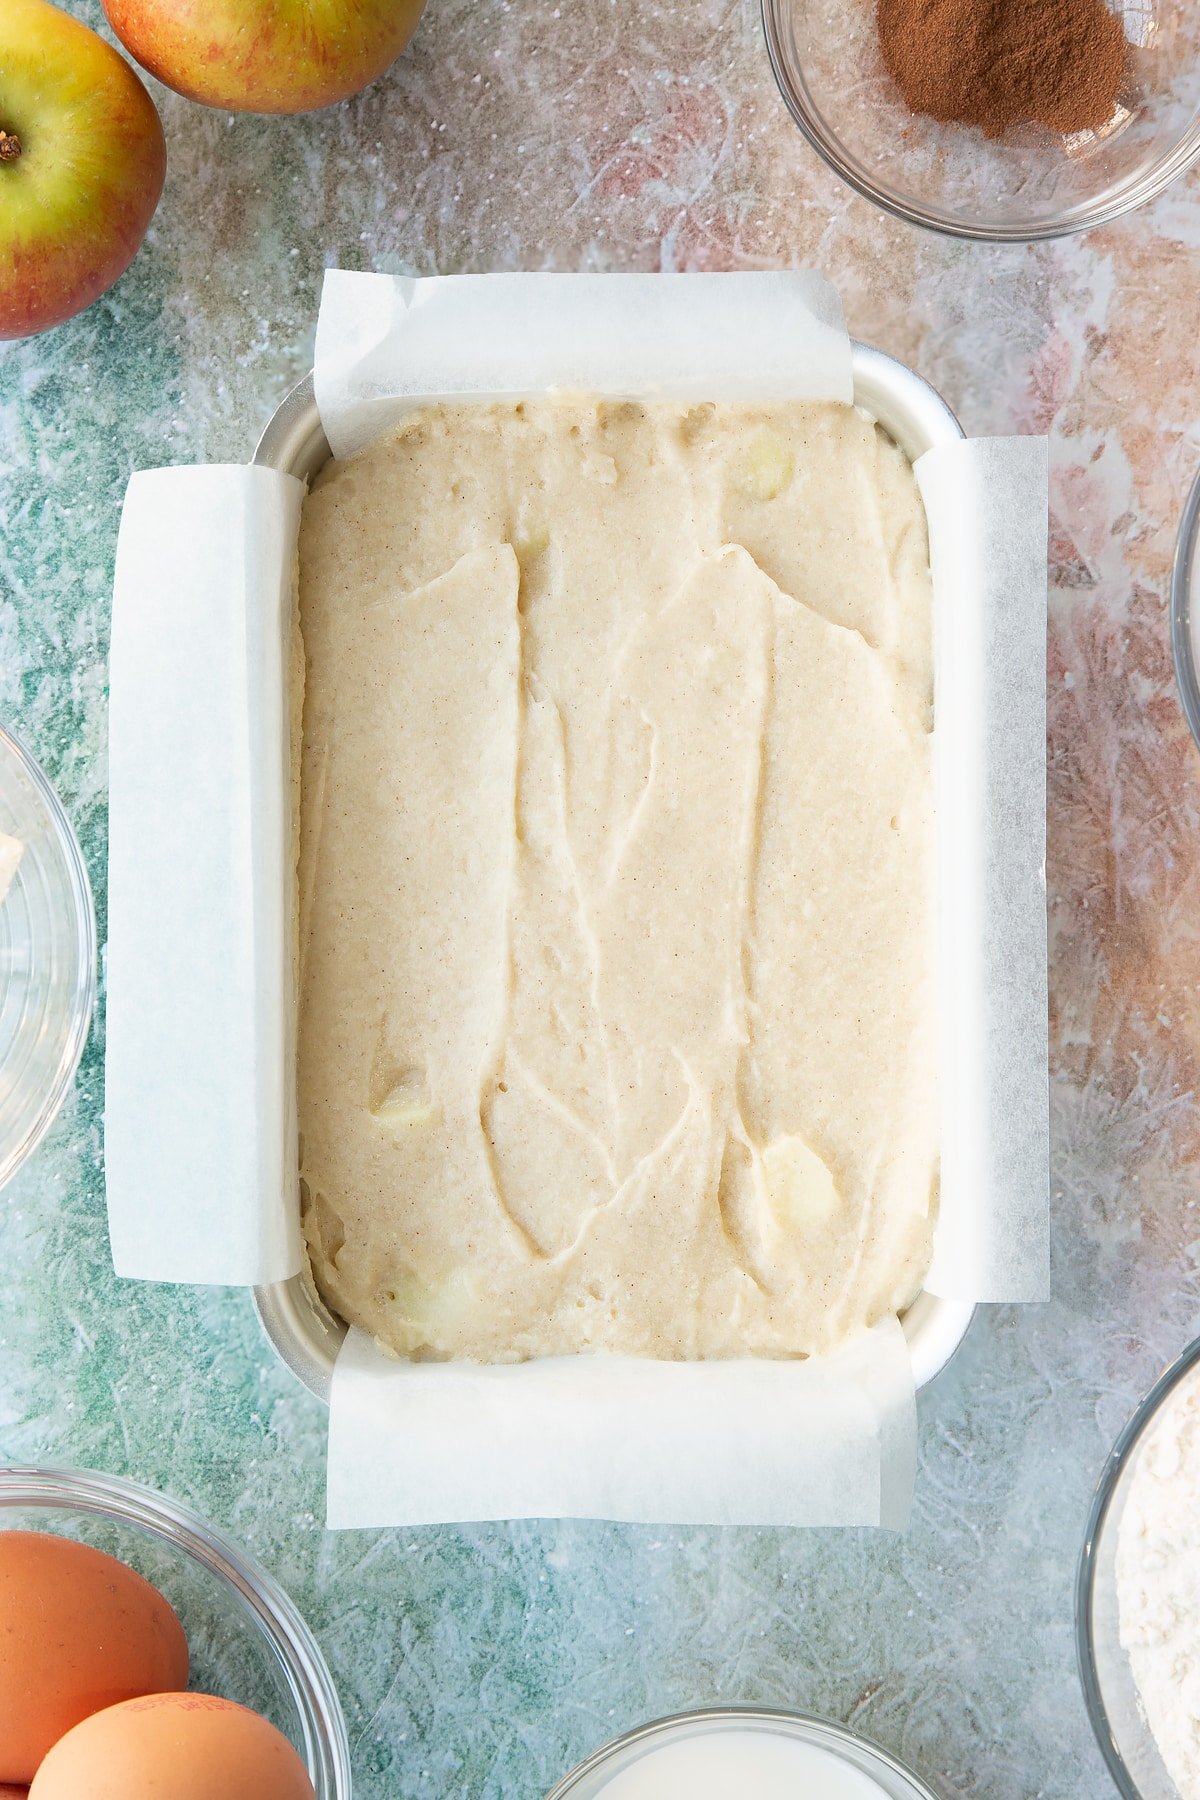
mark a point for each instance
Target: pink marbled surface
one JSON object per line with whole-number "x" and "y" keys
{"x": 620, "y": 134}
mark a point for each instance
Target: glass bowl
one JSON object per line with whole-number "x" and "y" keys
{"x": 1185, "y": 584}
{"x": 591, "y": 1777}
{"x": 47, "y": 957}
{"x": 1109, "y": 1688}
{"x": 1030, "y": 183}
{"x": 248, "y": 1643}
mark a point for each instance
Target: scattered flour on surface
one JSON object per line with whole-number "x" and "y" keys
{"x": 1158, "y": 1582}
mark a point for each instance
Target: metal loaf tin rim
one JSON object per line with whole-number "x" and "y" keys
{"x": 303, "y": 1332}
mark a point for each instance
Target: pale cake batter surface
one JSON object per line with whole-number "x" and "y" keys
{"x": 616, "y": 1024}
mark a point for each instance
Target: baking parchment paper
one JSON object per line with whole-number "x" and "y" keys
{"x": 200, "y": 1117}
{"x": 209, "y": 1056}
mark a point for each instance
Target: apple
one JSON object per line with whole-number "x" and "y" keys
{"x": 82, "y": 162}
{"x": 266, "y": 56}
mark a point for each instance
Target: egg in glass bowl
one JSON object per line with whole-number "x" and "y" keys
{"x": 246, "y": 1641}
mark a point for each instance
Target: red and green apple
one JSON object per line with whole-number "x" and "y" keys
{"x": 82, "y": 162}
{"x": 265, "y": 56}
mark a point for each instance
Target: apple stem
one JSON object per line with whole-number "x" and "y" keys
{"x": 10, "y": 146}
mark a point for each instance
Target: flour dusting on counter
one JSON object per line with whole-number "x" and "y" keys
{"x": 615, "y": 887}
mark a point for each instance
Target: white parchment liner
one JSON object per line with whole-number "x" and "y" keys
{"x": 200, "y": 1124}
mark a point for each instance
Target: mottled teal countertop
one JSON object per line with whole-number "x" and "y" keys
{"x": 648, "y": 135}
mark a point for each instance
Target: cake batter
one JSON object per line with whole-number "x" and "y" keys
{"x": 615, "y": 881}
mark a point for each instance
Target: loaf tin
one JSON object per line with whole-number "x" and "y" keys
{"x": 302, "y": 1330}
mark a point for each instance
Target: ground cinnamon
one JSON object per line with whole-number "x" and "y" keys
{"x": 996, "y": 63}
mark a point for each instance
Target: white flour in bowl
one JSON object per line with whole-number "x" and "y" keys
{"x": 1158, "y": 1582}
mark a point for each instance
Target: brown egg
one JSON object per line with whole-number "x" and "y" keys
{"x": 78, "y": 1632}
{"x": 173, "y": 1747}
